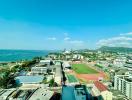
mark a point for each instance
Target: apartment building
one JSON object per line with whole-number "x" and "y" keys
{"x": 123, "y": 83}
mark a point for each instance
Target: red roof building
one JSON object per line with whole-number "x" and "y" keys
{"x": 99, "y": 90}
{"x": 100, "y": 86}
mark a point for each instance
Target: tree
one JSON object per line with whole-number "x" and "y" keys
{"x": 15, "y": 68}
{"x": 51, "y": 82}
{"x": 4, "y": 80}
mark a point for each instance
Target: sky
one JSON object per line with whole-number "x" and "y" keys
{"x": 70, "y": 24}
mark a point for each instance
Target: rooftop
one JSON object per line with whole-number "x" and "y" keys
{"x": 44, "y": 61}
{"x": 68, "y": 93}
{"x": 42, "y": 94}
{"x": 127, "y": 78}
{"x": 58, "y": 71}
{"x": 78, "y": 92}
{"x": 29, "y": 79}
{"x": 100, "y": 86}
{"x": 66, "y": 64}
{"x": 81, "y": 93}
{"x": 6, "y": 93}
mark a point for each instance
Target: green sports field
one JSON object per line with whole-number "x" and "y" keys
{"x": 72, "y": 78}
{"x": 83, "y": 69}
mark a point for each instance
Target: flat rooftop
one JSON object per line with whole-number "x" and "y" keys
{"x": 42, "y": 94}
{"x": 29, "y": 79}
{"x": 45, "y": 61}
{"x": 6, "y": 93}
{"x": 29, "y": 87}
{"x": 78, "y": 92}
{"x": 125, "y": 77}
{"x": 68, "y": 93}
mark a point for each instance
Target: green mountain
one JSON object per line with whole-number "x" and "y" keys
{"x": 115, "y": 49}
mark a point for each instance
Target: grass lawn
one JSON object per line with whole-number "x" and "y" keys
{"x": 72, "y": 78}
{"x": 83, "y": 69}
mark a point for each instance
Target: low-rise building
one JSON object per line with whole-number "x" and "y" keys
{"x": 5, "y": 93}
{"x": 77, "y": 57}
{"x": 66, "y": 52}
{"x": 100, "y": 91}
{"x": 23, "y": 80}
{"x": 66, "y": 65}
{"x": 78, "y": 92}
{"x": 58, "y": 75}
{"x": 39, "y": 70}
{"x": 20, "y": 94}
{"x": 42, "y": 94}
{"x": 103, "y": 63}
{"x": 119, "y": 62}
{"x": 45, "y": 62}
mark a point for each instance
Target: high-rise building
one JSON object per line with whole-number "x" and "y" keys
{"x": 123, "y": 83}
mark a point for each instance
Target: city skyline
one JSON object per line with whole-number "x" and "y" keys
{"x": 51, "y": 24}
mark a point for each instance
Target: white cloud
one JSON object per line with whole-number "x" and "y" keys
{"x": 52, "y": 38}
{"x": 71, "y": 42}
{"x": 76, "y": 42}
{"x": 65, "y": 34}
{"x": 123, "y": 40}
{"x": 67, "y": 38}
{"x": 126, "y": 34}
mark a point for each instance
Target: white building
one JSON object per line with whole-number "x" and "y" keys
{"x": 58, "y": 75}
{"x": 103, "y": 63}
{"x": 123, "y": 83}
{"x": 78, "y": 56}
{"x": 66, "y": 65}
{"x": 129, "y": 61}
{"x": 66, "y": 52}
{"x": 45, "y": 62}
{"x": 39, "y": 70}
{"x": 120, "y": 62}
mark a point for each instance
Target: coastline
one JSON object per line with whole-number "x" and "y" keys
{"x": 7, "y": 56}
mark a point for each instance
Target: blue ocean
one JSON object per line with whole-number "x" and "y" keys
{"x": 17, "y": 55}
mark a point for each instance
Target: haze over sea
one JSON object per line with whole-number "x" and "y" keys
{"x": 16, "y": 55}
